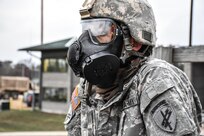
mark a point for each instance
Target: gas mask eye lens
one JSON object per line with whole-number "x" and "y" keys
{"x": 101, "y": 30}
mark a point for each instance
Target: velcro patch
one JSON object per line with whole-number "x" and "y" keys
{"x": 70, "y": 114}
{"x": 75, "y": 100}
{"x": 130, "y": 102}
{"x": 164, "y": 116}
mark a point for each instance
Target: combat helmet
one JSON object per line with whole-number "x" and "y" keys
{"x": 136, "y": 14}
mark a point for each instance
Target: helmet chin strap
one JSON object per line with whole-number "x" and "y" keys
{"x": 126, "y": 38}
{"x": 126, "y": 58}
{"x": 129, "y": 53}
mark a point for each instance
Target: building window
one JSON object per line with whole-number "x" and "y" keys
{"x": 55, "y": 65}
{"x": 55, "y": 94}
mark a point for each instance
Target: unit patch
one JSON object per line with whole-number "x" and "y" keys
{"x": 164, "y": 116}
{"x": 75, "y": 99}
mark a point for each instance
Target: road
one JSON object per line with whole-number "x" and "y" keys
{"x": 54, "y": 133}
{"x": 42, "y": 133}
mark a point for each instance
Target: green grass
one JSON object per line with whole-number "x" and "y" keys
{"x": 15, "y": 120}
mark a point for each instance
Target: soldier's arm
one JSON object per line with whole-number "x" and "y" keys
{"x": 72, "y": 121}
{"x": 165, "y": 111}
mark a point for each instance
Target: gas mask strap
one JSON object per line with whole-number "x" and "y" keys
{"x": 127, "y": 45}
{"x": 140, "y": 54}
{"x": 89, "y": 89}
{"x": 87, "y": 92}
{"x": 126, "y": 37}
{"x": 120, "y": 85}
{"x": 129, "y": 54}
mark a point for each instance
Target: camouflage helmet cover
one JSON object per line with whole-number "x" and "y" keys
{"x": 136, "y": 14}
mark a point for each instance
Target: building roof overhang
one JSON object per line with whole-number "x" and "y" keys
{"x": 56, "y": 45}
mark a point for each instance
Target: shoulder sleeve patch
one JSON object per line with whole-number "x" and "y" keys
{"x": 75, "y": 99}
{"x": 164, "y": 116}
{"x": 153, "y": 90}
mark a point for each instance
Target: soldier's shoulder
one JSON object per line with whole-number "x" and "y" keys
{"x": 152, "y": 63}
{"x": 153, "y": 69}
{"x": 73, "y": 105}
{"x": 156, "y": 78}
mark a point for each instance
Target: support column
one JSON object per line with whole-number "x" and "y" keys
{"x": 164, "y": 53}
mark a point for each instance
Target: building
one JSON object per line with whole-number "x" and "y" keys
{"x": 57, "y": 81}
{"x": 188, "y": 59}
{"x": 58, "y": 78}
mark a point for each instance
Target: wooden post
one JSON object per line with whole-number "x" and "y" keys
{"x": 42, "y": 19}
{"x": 42, "y": 60}
{"x": 191, "y": 24}
{"x": 164, "y": 53}
{"x": 41, "y": 84}
{"x": 70, "y": 84}
{"x": 188, "y": 54}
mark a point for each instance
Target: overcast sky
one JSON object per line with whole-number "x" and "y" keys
{"x": 20, "y": 24}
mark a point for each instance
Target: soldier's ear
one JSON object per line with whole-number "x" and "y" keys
{"x": 135, "y": 45}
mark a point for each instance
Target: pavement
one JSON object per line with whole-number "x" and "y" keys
{"x": 49, "y": 133}
{"x": 37, "y": 133}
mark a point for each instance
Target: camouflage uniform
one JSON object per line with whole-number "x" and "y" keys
{"x": 158, "y": 100}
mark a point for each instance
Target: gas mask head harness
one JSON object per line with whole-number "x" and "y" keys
{"x": 96, "y": 55}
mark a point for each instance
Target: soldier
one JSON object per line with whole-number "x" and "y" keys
{"x": 122, "y": 91}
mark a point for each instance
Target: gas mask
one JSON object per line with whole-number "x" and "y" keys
{"x": 94, "y": 56}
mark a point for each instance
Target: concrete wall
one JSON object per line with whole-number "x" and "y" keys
{"x": 61, "y": 80}
{"x": 192, "y": 59}
{"x": 55, "y": 80}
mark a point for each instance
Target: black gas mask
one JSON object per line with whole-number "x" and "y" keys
{"x": 94, "y": 56}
